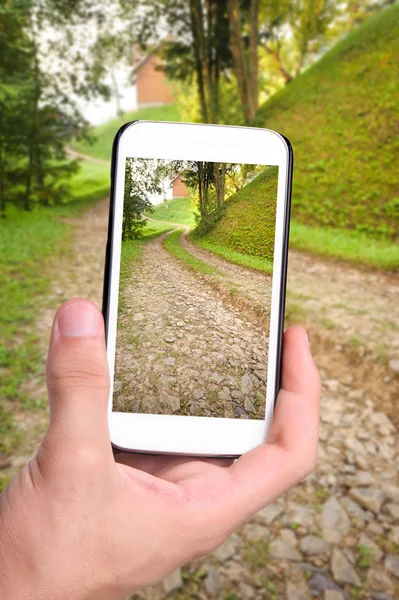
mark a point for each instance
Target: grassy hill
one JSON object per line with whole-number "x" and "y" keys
{"x": 178, "y": 210}
{"x": 341, "y": 117}
{"x": 104, "y": 134}
{"x": 248, "y": 225}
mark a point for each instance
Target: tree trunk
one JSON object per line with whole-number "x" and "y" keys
{"x": 219, "y": 172}
{"x": 253, "y": 56}
{"x": 239, "y": 58}
{"x": 277, "y": 58}
{"x": 197, "y": 33}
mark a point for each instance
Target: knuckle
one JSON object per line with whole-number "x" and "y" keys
{"x": 72, "y": 372}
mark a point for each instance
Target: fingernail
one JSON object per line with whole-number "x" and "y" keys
{"x": 79, "y": 319}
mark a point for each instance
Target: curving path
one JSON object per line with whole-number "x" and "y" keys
{"x": 182, "y": 349}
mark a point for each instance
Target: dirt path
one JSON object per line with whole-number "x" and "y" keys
{"x": 91, "y": 159}
{"x": 181, "y": 349}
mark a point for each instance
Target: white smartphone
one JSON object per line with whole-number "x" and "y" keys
{"x": 199, "y": 221}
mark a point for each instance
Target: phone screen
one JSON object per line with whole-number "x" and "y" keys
{"x": 195, "y": 288}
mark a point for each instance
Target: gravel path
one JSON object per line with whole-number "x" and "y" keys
{"x": 182, "y": 349}
{"x": 336, "y": 534}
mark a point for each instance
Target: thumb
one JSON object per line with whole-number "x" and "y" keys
{"x": 78, "y": 378}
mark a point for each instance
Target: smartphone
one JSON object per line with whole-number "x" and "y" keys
{"x": 194, "y": 287}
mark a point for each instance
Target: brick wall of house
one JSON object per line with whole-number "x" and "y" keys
{"x": 179, "y": 188}
{"x": 152, "y": 85}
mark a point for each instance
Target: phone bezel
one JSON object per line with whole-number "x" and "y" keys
{"x": 190, "y": 435}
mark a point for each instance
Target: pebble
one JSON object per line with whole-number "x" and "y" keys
{"x": 246, "y": 384}
{"x": 170, "y": 361}
{"x": 391, "y": 564}
{"x": 270, "y": 513}
{"x": 211, "y": 582}
{"x": 173, "y": 582}
{"x": 312, "y": 545}
{"x": 295, "y": 591}
{"x": 393, "y": 511}
{"x": 228, "y": 549}
{"x": 376, "y": 553}
{"x": 370, "y": 498}
{"x": 335, "y": 522}
{"x": 289, "y": 537}
{"x": 281, "y": 550}
{"x": 342, "y": 570}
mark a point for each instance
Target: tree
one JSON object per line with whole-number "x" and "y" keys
{"x": 143, "y": 179}
{"x": 42, "y": 72}
{"x": 245, "y": 60}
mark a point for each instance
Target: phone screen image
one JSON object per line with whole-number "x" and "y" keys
{"x": 184, "y": 344}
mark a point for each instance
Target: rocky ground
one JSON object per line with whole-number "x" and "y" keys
{"x": 182, "y": 349}
{"x": 336, "y": 534}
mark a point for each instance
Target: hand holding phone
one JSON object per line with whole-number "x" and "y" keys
{"x": 190, "y": 374}
{"x": 78, "y": 523}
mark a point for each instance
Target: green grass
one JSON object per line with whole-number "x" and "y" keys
{"x": 28, "y": 241}
{"x": 104, "y": 134}
{"x": 246, "y": 260}
{"x": 90, "y": 183}
{"x": 172, "y": 243}
{"x": 341, "y": 117}
{"x": 249, "y": 221}
{"x": 346, "y": 245}
{"x": 178, "y": 210}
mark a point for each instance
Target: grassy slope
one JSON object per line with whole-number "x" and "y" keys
{"x": 102, "y": 146}
{"x": 341, "y": 117}
{"x": 249, "y": 223}
{"x": 178, "y": 210}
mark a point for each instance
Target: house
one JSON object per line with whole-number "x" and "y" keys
{"x": 179, "y": 187}
{"x": 152, "y": 88}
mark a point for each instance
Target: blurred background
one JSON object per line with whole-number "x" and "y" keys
{"x": 323, "y": 73}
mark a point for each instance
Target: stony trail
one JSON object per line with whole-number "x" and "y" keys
{"x": 336, "y": 534}
{"x": 182, "y": 349}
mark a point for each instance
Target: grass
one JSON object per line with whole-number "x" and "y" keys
{"x": 178, "y": 210}
{"x": 89, "y": 184}
{"x": 347, "y": 245}
{"x": 104, "y": 134}
{"x": 341, "y": 118}
{"x": 172, "y": 243}
{"x": 28, "y": 242}
{"x": 249, "y": 221}
{"x": 246, "y": 260}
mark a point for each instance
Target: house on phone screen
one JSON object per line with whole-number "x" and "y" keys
{"x": 152, "y": 87}
{"x": 179, "y": 188}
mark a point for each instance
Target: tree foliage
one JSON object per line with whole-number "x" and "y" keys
{"x": 43, "y": 70}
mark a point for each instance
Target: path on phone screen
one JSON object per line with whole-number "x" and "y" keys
{"x": 337, "y": 529}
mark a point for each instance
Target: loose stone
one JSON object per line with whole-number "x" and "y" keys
{"x": 173, "y": 582}
{"x": 391, "y": 564}
{"x": 342, "y": 571}
{"x": 279, "y": 549}
{"x": 312, "y": 545}
{"x": 270, "y": 513}
{"x": 370, "y": 498}
{"x": 335, "y": 522}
